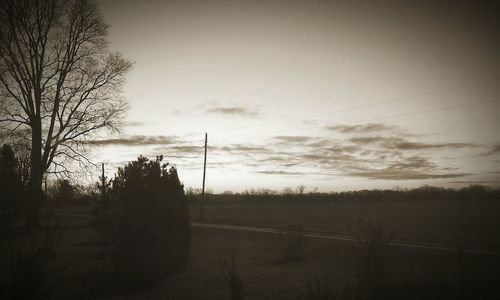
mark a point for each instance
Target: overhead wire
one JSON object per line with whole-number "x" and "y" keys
{"x": 400, "y": 99}
{"x": 365, "y": 120}
{"x": 395, "y": 100}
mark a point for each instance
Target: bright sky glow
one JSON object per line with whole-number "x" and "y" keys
{"x": 334, "y": 96}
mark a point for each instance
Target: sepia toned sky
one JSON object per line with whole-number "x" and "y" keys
{"x": 327, "y": 94}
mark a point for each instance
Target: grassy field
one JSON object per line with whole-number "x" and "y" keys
{"x": 265, "y": 270}
{"x": 472, "y": 224}
{"x": 74, "y": 261}
{"x": 266, "y": 275}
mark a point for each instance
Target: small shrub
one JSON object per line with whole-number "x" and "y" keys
{"x": 31, "y": 277}
{"x": 321, "y": 288}
{"x": 233, "y": 279}
{"x": 325, "y": 288}
{"x": 371, "y": 264}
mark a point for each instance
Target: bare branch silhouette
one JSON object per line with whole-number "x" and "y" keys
{"x": 57, "y": 79}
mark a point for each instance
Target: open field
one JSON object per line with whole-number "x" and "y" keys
{"x": 267, "y": 275}
{"x": 260, "y": 262}
{"x": 473, "y": 224}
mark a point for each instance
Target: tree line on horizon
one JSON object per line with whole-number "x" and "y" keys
{"x": 424, "y": 193}
{"x": 14, "y": 180}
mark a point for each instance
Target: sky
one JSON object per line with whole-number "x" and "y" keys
{"x": 327, "y": 94}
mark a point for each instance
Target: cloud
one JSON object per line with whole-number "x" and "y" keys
{"x": 293, "y": 139}
{"x": 404, "y": 144}
{"x": 413, "y": 163}
{"x": 390, "y": 174}
{"x": 328, "y": 158}
{"x": 365, "y": 140}
{"x": 232, "y": 110}
{"x": 138, "y": 140}
{"x": 419, "y": 146}
{"x": 186, "y": 149}
{"x": 321, "y": 143}
{"x": 287, "y": 173}
{"x": 494, "y": 149}
{"x": 134, "y": 124}
{"x": 239, "y": 148}
{"x": 363, "y": 128}
{"x": 388, "y": 157}
{"x": 371, "y": 151}
{"x": 405, "y": 168}
{"x": 472, "y": 182}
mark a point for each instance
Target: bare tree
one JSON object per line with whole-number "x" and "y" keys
{"x": 58, "y": 80}
{"x": 287, "y": 191}
{"x": 301, "y": 189}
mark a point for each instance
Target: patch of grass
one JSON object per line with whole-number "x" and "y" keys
{"x": 371, "y": 262}
{"x": 292, "y": 243}
{"x": 324, "y": 288}
{"x": 433, "y": 221}
{"x": 31, "y": 276}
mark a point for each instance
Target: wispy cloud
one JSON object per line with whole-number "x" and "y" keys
{"x": 472, "y": 182}
{"x": 232, "y": 110}
{"x": 390, "y": 174}
{"x": 286, "y": 173}
{"x": 404, "y": 168}
{"x": 134, "y": 124}
{"x": 405, "y": 144}
{"x": 138, "y": 140}
{"x": 371, "y": 151}
{"x": 186, "y": 149}
{"x": 362, "y": 128}
{"x": 493, "y": 150}
{"x": 240, "y": 148}
{"x": 293, "y": 139}
{"x": 365, "y": 153}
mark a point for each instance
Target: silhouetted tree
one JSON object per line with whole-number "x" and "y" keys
{"x": 11, "y": 189}
{"x": 57, "y": 80}
{"x": 153, "y": 232}
{"x": 103, "y": 185}
{"x": 287, "y": 191}
{"x": 301, "y": 189}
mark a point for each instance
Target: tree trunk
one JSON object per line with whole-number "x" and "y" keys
{"x": 36, "y": 175}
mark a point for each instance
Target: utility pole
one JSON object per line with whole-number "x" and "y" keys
{"x": 202, "y": 206}
{"x": 103, "y": 186}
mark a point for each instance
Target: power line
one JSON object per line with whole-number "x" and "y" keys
{"x": 431, "y": 110}
{"x": 394, "y": 100}
{"x": 372, "y": 119}
{"x": 378, "y": 118}
{"x": 411, "y": 97}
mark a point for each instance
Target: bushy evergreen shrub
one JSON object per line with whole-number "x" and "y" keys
{"x": 152, "y": 233}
